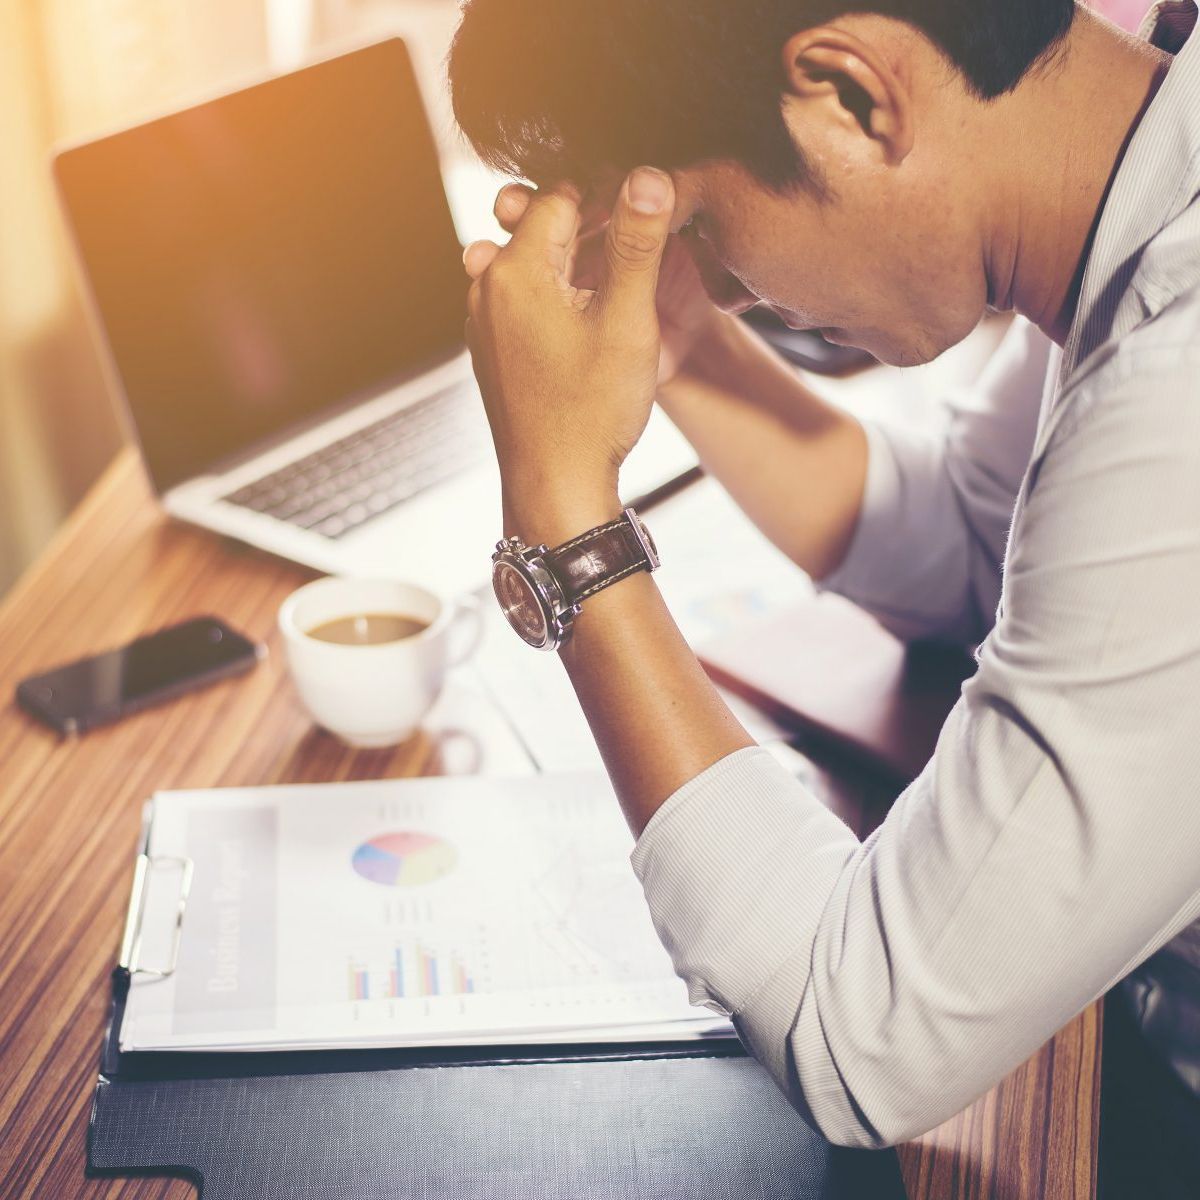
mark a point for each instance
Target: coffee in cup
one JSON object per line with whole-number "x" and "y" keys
{"x": 369, "y": 656}
{"x": 368, "y": 629}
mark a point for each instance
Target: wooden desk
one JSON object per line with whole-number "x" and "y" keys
{"x": 69, "y": 819}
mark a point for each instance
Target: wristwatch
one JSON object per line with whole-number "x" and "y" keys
{"x": 541, "y": 591}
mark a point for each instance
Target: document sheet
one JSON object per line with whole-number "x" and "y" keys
{"x": 403, "y": 912}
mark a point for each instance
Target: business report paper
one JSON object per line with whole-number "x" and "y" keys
{"x": 401, "y": 912}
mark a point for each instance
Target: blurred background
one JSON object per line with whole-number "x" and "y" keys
{"x": 72, "y": 69}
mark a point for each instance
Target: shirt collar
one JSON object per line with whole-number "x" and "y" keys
{"x": 1158, "y": 177}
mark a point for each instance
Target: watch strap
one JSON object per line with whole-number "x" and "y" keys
{"x": 597, "y": 559}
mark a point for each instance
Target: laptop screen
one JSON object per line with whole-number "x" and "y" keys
{"x": 269, "y": 255}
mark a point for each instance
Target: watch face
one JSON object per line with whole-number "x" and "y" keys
{"x": 520, "y": 603}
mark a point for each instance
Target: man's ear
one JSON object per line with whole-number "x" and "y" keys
{"x": 853, "y": 83}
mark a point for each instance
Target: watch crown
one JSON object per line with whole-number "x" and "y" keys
{"x": 501, "y": 546}
{"x": 542, "y": 549}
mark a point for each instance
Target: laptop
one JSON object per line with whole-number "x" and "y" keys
{"x": 276, "y": 283}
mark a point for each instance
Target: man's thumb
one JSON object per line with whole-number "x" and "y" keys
{"x": 637, "y": 236}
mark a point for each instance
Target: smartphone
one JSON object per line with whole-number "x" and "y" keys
{"x": 158, "y": 667}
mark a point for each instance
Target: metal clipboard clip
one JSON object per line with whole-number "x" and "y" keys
{"x": 131, "y": 941}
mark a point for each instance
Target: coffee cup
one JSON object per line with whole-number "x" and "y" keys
{"x": 369, "y": 656}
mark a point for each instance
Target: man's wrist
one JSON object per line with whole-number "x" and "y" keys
{"x": 710, "y": 352}
{"x": 552, "y": 519}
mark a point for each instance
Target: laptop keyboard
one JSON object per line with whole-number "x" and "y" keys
{"x": 345, "y": 484}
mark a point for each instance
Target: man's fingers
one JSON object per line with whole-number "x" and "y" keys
{"x": 633, "y": 248}
{"x": 478, "y": 256}
{"x": 512, "y": 201}
{"x": 547, "y": 231}
{"x": 587, "y": 265}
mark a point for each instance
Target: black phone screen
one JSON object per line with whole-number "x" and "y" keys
{"x": 154, "y": 667}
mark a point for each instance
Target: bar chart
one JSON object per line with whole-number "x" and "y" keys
{"x": 413, "y": 971}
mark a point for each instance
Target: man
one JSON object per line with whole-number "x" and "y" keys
{"x": 885, "y": 171}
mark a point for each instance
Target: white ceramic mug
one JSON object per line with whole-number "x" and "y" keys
{"x": 374, "y": 695}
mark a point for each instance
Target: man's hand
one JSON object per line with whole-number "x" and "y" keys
{"x": 569, "y": 374}
{"x": 685, "y": 312}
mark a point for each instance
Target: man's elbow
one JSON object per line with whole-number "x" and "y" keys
{"x": 887, "y": 1125}
{"x": 883, "y": 1101}
{"x": 865, "y": 1085}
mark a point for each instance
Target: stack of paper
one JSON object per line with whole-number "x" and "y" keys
{"x": 414, "y": 912}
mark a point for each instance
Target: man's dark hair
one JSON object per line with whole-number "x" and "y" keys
{"x": 556, "y": 89}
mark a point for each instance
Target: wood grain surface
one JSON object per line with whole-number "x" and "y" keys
{"x": 69, "y": 819}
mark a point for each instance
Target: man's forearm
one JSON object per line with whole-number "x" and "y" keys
{"x": 568, "y": 379}
{"x": 795, "y": 463}
{"x": 656, "y": 717}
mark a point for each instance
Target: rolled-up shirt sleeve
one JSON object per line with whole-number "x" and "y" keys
{"x": 937, "y": 504}
{"x": 1049, "y": 846}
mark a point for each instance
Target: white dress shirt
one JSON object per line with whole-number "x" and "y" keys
{"x": 1052, "y": 845}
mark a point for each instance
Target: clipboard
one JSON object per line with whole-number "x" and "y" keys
{"x": 651, "y": 1121}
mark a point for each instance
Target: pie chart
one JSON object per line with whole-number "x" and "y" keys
{"x": 405, "y": 859}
